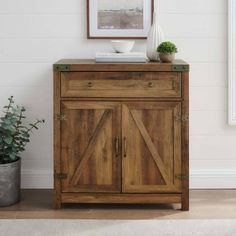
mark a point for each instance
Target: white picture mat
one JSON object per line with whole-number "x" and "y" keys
{"x": 95, "y": 32}
{"x": 232, "y": 61}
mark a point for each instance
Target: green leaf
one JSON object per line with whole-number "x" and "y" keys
{"x": 167, "y": 47}
{"x": 14, "y": 135}
{"x": 12, "y": 156}
{"x": 34, "y": 126}
{"x": 8, "y": 140}
{"x": 26, "y": 135}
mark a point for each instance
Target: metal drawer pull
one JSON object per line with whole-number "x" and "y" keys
{"x": 90, "y": 84}
{"x": 117, "y": 146}
{"x": 125, "y": 146}
{"x": 150, "y": 84}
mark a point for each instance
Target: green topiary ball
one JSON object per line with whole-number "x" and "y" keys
{"x": 167, "y": 48}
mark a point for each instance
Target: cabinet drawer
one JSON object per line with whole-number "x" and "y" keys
{"x": 120, "y": 84}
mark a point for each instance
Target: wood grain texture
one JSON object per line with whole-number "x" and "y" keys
{"x": 124, "y": 137}
{"x": 88, "y": 153}
{"x": 151, "y": 161}
{"x": 121, "y": 198}
{"x": 120, "y": 84}
{"x": 56, "y": 140}
{"x": 185, "y": 143}
{"x": 91, "y": 65}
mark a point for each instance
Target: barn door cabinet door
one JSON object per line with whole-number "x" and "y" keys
{"x": 90, "y": 146}
{"x": 92, "y": 136}
{"x": 151, "y": 147}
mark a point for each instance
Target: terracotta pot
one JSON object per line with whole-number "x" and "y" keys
{"x": 167, "y": 58}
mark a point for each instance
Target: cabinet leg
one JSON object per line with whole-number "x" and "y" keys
{"x": 185, "y": 204}
{"x": 56, "y": 201}
{"x": 57, "y": 205}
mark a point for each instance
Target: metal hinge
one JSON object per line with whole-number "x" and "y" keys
{"x": 179, "y": 68}
{"x": 61, "y": 176}
{"x": 60, "y": 117}
{"x": 61, "y": 67}
{"x": 182, "y": 118}
{"x": 181, "y": 177}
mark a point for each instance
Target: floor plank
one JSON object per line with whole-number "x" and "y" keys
{"x": 204, "y": 204}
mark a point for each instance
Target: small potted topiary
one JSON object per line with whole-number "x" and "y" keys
{"x": 14, "y": 135}
{"x": 167, "y": 51}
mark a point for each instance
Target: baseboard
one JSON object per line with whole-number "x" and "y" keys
{"x": 39, "y": 179}
{"x": 199, "y": 179}
{"x": 212, "y": 179}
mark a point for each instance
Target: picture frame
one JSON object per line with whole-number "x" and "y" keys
{"x": 232, "y": 62}
{"x": 120, "y": 19}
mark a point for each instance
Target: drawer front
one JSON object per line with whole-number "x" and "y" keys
{"x": 121, "y": 84}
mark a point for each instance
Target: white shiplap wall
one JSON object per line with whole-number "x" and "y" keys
{"x": 35, "y": 34}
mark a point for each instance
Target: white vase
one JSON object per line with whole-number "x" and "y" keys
{"x": 155, "y": 37}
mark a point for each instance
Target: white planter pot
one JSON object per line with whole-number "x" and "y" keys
{"x": 155, "y": 37}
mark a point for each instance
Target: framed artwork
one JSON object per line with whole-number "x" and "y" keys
{"x": 109, "y": 19}
{"x": 232, "y": 61}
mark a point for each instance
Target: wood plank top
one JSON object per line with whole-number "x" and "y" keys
{"x": 91, "y": 65}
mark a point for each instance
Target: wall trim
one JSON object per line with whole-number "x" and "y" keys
{"x": 232, "y": 61}
{"x": 199, "y": 179}
{"x": 36, "y": 179}
{"x": 213, "y": 179}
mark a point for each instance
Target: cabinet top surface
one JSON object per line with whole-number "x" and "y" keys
{"x": 91, "y": 65}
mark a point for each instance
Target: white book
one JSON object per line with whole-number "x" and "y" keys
{"x": 121, "y": 57}
{"x": 122, "y": 60}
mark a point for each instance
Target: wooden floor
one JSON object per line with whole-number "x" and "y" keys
{"x": 205, "y": 204}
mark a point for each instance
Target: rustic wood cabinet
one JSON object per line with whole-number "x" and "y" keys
{"x": 121, "y": 133}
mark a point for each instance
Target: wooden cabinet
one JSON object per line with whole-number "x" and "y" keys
{"x": 120, "y": 133}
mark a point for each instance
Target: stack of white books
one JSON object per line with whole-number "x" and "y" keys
{"x": 139, "y": 57}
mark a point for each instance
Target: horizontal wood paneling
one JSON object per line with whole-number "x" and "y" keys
{"x": 209, "y": 179}
{"x": 192, "y": 6}
{"x": 35, "y": 34}
{"x": 26, "y": 75}
{"x": 42, "y": 7}
{"x": 208, "y": 98}
{"x": 210, "y": 148}
{"x": 30, "y": 178}
{"x": 210, "y": 123}
{"x": 209, "y": 74}
{"x": 213, "y": 165}
{"x": 202, "y": 25}
{"x": 78, "y": 6}
{"x": 31, "y": 98}
{"x": 38, "y": 74}
{"x": 202, "y": 50}
{"x": 51, "y": 25}
{"x": 49, "y": 50}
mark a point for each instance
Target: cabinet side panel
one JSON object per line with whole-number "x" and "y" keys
{"x": 185, "y": 142}
{"x": 56, "y": 137}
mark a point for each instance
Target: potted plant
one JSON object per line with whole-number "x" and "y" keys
{"x": 167, "y": 51}
{"x": 14, "y": 135}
